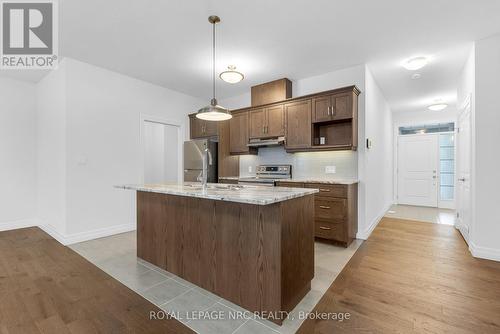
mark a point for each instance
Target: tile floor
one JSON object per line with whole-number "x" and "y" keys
{"x": 116, "y": 255}
{"x": 422, "y": 213}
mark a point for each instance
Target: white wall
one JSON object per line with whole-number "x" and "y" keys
{"x": 17, "y": 153}
{"x": 51, "y": 150}
{"x": 486, "y": 225}
{"x": 424, "y": 117}
{"x": 378, "y": 160}
{"x": 102, "y": 143}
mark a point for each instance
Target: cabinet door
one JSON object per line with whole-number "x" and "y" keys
{"x": 196, "y": 127}
{"x": 210, "y": 128}
{"x": 257, "y": 123}
{"x": 298, "y": 124}
{"x": 238, "y": 137}
{"x": 321, "y": 109}
{"x": 342, "y": 106}
{"x": 275, "y": 122}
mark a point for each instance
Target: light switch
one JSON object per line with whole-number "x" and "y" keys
{"x": 330, "y": 169}
{"x": 249, "y": 169}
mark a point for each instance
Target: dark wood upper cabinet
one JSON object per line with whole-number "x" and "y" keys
{"x": 270, "y": 92}
{"x": 333, "y": 107}
{"x": 267, "y": 122}
{"x": 342, "y": 106}
{"x": 238, "y": 136}
{"x": 202, "y": 129}
{"x": 298, "y": 125}
{"x": 257, "y": 121}
{"x": 325, "y": 121}
{"x": 321, "y": 108}
{"x": 275, "y": 121}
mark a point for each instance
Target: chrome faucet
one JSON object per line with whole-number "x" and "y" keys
{"x": 207, "y": 161}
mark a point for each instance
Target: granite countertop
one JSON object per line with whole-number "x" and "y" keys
{"x": 258, "y": 195}
{"x": 324, "y": 181}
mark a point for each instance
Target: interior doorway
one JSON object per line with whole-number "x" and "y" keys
{"x": 425, "y": 171}
{"x": 162, "y": 153}
{"x": 464, "y": 184}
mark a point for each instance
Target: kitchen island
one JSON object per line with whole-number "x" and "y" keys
{"x": 253, "y": 246}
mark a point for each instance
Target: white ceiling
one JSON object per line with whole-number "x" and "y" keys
{"x": 169, "y": 42}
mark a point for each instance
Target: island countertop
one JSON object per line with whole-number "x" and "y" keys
{"x": 257, "y": 195}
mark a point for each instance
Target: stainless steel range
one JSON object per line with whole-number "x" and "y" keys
{"x": 267, "y": 175}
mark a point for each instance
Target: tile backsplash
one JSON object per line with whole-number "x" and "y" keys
{"x": 304, "y": 164}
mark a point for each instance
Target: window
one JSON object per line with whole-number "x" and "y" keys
{"x": 447, "y": 166}
{"x": 428, "y": 128}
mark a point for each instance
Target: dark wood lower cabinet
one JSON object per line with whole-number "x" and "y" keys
{"x": 335, "y": 210}
{"x": 260, "y": 257}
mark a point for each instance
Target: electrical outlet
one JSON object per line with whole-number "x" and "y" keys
{"x": 330, "y": 169}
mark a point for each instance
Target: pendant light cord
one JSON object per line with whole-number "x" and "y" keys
{"x": 213, "y": 59}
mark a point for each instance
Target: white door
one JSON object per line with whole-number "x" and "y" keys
{"x": 418, "y": 169}
{"x": 161, "y": 152}
{"x": 464, "y": 171}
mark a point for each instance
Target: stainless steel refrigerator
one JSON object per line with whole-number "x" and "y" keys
{"x": 193, "y": 160}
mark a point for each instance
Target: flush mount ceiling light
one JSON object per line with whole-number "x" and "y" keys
{"x": 231, "y": 75}
{"x": 437, "y": 106}
{"x": 213, "y": 112}
{"x": 416, "y": 63}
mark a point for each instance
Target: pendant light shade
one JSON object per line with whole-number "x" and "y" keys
{"x": 213, "y": 112}
{"x": 231, "y": 75}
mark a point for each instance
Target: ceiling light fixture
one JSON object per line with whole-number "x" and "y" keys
{"x": 416, "y": 63}
{"x": 437, "y": 107}
{"x": 231, "y": 75}
{"x": 213, "y": 112}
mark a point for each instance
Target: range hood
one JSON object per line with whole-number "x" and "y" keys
{"x": 276, "y": 141}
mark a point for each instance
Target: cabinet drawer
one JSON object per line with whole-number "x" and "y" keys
{"x": 331, "y": 231}
{"x": 330, "y": 190}
{"x": 330, "y": 208}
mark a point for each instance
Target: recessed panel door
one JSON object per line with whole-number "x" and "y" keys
{"x": 418, "y": 170}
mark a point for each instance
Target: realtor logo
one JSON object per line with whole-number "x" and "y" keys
{"x": 29, "y": 34}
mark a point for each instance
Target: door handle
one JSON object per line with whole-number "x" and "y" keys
{"x": 462, "y": 179}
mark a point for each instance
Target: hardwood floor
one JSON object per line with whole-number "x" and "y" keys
{"x": 48, "y": 288}
{"x": 413, "y": 277}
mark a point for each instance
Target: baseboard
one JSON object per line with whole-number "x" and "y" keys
{"x": 99, "y": 233}
{"x": 13, "y": 225}
{"x": 366, "y": 233}
{"x": 69, "y": 239}
{"x": 484, "y": 252}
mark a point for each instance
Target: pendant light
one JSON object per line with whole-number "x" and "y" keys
{"x": 231, "y": 75}
{"x": 213, "y": 112}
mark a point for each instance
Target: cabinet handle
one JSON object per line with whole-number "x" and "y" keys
{"x": 324, "y": 228}
{"x": 324, "y": 207}
{"x": 324, "y": 190}
{"x": 328, "y": 111}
